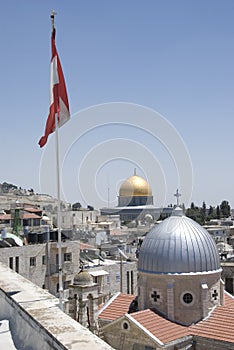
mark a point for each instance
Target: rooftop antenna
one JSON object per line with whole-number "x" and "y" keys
{"x": 108, "y": 197}
{"x": 177, "y": 195}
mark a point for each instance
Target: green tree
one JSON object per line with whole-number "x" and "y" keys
{"x": 203, "y": 211}
{"x": 210, "y": 211}
{"x": 217, "y": 212}
{"x": 195, "y": 214}
{"x": 225, "y": 209}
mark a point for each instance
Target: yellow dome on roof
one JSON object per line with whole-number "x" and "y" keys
{"x": 135, "y": 186}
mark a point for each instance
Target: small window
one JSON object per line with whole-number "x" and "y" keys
{"x": 128, "y": 284}
{"x": 155, "y": 296}
{"x": 17, "y": 264}
{"x": 125, "y": 325}
{"x": 187, "y": 298}
{"x": 66, "y": 284}
{"x": 11, "y": 263}
{"x": 32, "y": 261}
{"x": 117, "y": 277}
{"x": 43, "y": 260}
{"x": 108, "y": 279}
{"x": 67, "y": 256}
{"x": 215, "y": 295}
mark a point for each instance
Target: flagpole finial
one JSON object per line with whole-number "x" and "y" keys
{"x": 53, "y": 13}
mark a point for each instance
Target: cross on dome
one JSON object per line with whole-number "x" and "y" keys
{"x": 177, "y": 195}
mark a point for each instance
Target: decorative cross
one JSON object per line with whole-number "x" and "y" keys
{"x": 155, "y": 296}
{"x": 215, "y": 294}
{"x": 177, "y": 195}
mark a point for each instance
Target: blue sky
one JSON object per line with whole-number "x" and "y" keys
{"x": 174, "y": 57}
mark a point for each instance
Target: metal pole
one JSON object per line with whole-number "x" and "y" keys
{"x": 121, "y": 274}
{"x": 59, "y": 219}
{"x": 58, "y": 196}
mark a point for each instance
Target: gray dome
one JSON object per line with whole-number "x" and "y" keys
{"x": 178, "y": 245}
{"x": 83, "y": 278}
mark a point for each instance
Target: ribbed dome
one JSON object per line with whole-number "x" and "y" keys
{"x": 135, "y": 186}
{"x": 83, "y": 278}
{"x": 178, "y": 245}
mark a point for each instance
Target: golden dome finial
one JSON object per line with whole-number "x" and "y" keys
{"x": 134, "y": 172}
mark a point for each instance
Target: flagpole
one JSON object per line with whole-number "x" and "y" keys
{"x": 58, "y": 195}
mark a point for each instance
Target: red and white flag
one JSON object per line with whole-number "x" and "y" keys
{"x": 59, "y": 106}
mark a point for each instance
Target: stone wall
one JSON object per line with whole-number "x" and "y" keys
{"x": 165, "y": 293}
{"x": 35, "y": 320}
{"x": 210, "y": 344}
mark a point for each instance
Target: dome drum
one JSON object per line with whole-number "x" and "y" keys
{"x": 135, "y": 200}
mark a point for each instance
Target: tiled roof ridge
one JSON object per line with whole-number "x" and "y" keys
{"x": 108, "y": 303}
{"x": 147, "y": 331}
{"x": 163, "y": 333}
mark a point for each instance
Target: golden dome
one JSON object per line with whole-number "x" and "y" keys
{"x": 135, "y": 186}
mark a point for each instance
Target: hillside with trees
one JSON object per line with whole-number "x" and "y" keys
{"x": 203, "y": 214}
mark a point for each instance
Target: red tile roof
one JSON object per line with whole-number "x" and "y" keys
{"x": 26, "y": 215}
{"x": 218, "y": 325}
{"x": 86, "y": 246}
{"x": 33, "y": 210}
{"x": 160, "y": 327}
{"x": 31, "y": 216}
{"x": 5, "y": 216}
{"x": 116, "y": 307}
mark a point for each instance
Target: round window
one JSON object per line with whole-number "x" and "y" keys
{"x": 125, "y": 325}
{"x": 187, "y": 298}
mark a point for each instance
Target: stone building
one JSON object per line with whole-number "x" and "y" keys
{"x": 113, "y": 276}
{"x": 181, "y": 302}
{"x": 228, "y": 275}
{"x": 39, "y": 263}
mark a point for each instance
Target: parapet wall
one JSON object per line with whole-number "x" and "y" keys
{"x": 35, "y": 320}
